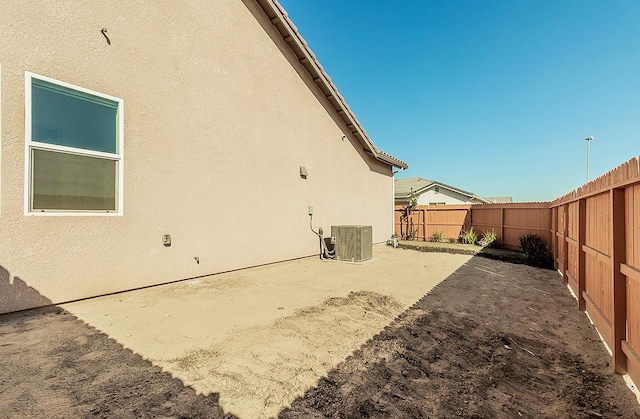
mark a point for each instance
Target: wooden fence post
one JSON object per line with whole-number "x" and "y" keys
{"x": 424, "y": 224}
{"x": 618, "y": 257}
{"x": 554, "y": 236}
{"x": 581, "y": 275}
{"x": 565, "y": 243}
{"x": 502, "y": 224}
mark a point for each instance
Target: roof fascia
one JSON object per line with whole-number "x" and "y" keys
{"x": 456, "y": 190}
{"x": 418, "y": 191}
{"x": 461, "y": 192}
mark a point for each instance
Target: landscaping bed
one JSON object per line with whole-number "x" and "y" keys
{"x": 504, "y": 255}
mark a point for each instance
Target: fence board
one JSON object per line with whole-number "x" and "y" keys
{"x": 598, "y": 278}
{"x": 572, "y": 246}
{"x": 560, "y": 239}
{"x": 610, "y": 250}
{"x": 532, "y": 218}
{"x": 632, "y": 199}
{"x": 572, "y": 220}
{"x": 598, "y": 234}
{"x": 599, "y": 320}
{"x": 448, "y": 221}
{"x": 633, "y": 317}
{"x": 489, "y": 217}
{"x": 510, "y": 221}
{"x": 599, "y": 287}
{"x": 424, "y": 221}
{"x": 572, "y": 265}
{"x": 632, "y": 271}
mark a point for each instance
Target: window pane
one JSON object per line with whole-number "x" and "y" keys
{"x": 67, "y": 117}
{"x": 64, "y": 181}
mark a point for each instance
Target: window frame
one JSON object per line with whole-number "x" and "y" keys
{"x": 1, "y": 145}
{"x": 31, "y": 145}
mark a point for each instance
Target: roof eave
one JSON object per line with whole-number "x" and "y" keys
{"x": 279, "y": 18}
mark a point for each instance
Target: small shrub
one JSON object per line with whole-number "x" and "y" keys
{"x": 469, "y": 236}
{"x": 452, "y": 240}
{"x": 532, "y": 245}
{"x": 437, "y": 237}
{"x": 490, "y": 239}
{"x": 536, "y": 250}
{"x": 413, "y": 200}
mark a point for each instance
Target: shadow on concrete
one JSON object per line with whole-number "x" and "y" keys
{"x": 56, "y": 366}
{"x": 493, "y": 340}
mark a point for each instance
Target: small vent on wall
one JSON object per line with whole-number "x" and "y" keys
{"x": 303, "y": 172}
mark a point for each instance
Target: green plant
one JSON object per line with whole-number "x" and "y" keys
{"x": 438, "y": 236}
{"x": 536, "y": 250}
{"x": 412, "y": 234}
{"x": 469, "y": 236}
{"x": 452, "y": 240}
{"x": 490, "y": 239}
{"x": 413, "y": 200}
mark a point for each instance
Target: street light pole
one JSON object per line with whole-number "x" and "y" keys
{"x": 588, "y": 140}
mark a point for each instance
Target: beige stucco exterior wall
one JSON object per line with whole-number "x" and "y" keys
{"x": 217, "y": 124}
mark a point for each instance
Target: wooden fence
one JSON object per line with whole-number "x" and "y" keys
{"x": 596, "y": 248}
{"x": 423, "y": 221}
{"x": 509, "y": 221}
{"x": 594, "y": 234}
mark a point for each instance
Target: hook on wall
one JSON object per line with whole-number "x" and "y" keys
{"x": 104, "y": 32}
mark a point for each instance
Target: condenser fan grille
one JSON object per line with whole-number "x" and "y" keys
{"x": 353, "y": 242}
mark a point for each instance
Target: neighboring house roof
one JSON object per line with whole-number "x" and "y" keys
{"x": 279, "y": 18}
{"x": 418, "y": 185}
{"x": 499, "y": 199}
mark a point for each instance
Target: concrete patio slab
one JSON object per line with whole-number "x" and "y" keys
{"x": 261, "y": 337}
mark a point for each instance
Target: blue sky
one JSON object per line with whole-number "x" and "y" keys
{"x": 491, "y": 96}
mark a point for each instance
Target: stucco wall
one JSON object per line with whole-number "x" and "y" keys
{"x": 217, "y": 124}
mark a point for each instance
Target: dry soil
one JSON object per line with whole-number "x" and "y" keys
{"x": 309, "y": 338}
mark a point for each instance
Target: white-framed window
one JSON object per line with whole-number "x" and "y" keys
{"x": 73, "y": 150}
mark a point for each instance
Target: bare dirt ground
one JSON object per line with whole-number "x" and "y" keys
{"x": 495, "y": 340}
{"x": 319, "y": 339}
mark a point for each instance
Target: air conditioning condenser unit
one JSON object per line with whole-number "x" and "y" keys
{"x": 354, "y": 243}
